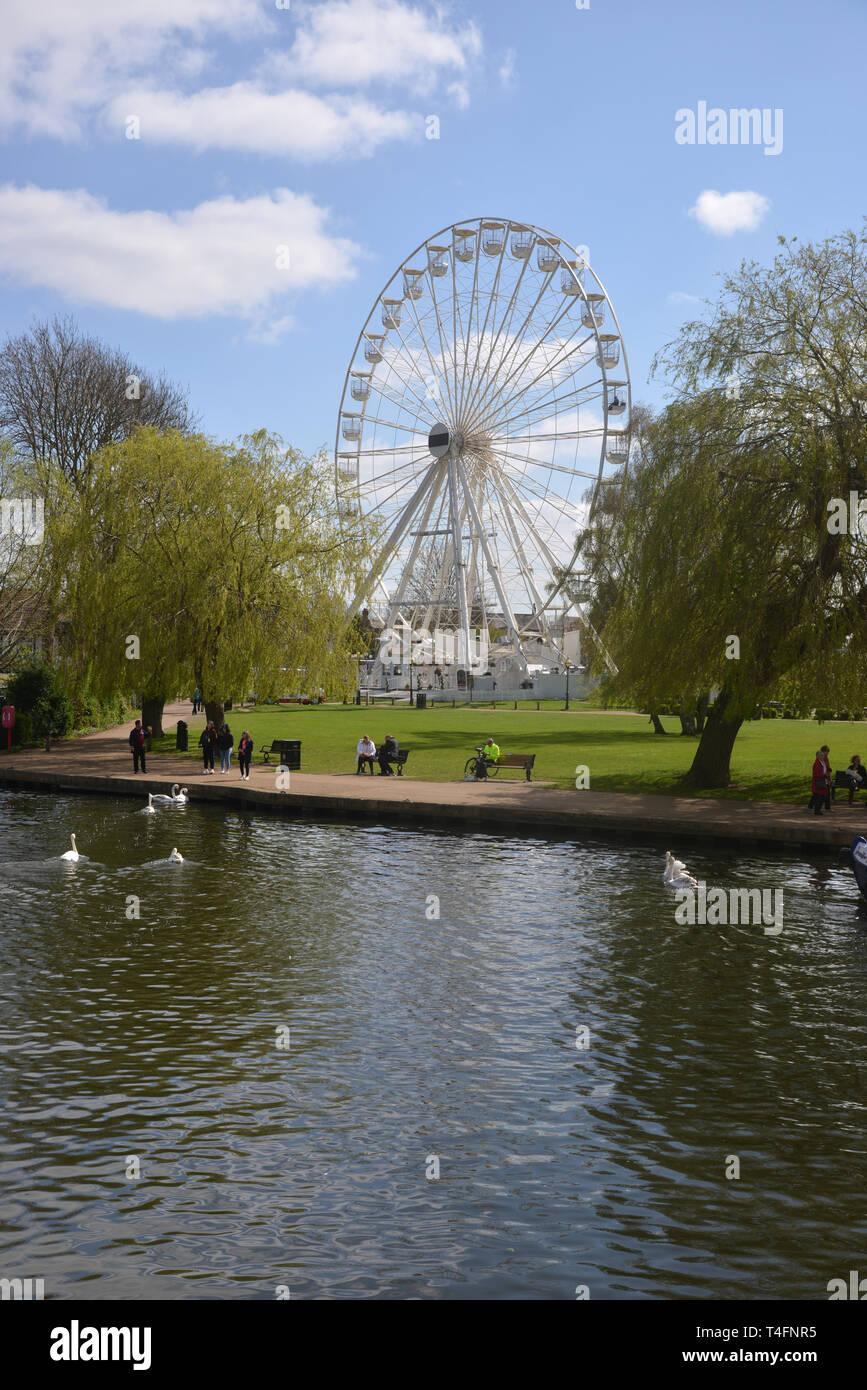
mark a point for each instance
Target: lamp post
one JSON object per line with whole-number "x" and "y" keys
{"x": 568, "y": 665}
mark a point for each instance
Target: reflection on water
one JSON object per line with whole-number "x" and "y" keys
{"x": 282, "y": 1035}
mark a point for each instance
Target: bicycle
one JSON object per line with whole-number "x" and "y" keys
{"x": 472, "y": 763}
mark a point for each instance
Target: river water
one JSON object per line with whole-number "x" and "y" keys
{"x": 327, "y": 1091}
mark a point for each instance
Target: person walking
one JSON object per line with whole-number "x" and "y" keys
{"x": 225, "y": 743}
{"x": 197, "y": 700}
{"x": 245, "y": 753}
{"x": 819, "y": 782}
{"x": 207, "y": 743}
{"x": 137, "y": 745}
{"x": 829, "y": 780}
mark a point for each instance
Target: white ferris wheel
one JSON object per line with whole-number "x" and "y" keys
{"x": 485, "y": 407}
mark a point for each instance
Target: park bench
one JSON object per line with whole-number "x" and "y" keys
{"x": 400, "y": 761}
{"x": 520, "y": 761}
{"x": 288, "y": 750}
{"x": 841, "y": 780}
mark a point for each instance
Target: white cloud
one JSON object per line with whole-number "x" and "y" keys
{"x": 681, "y": 297}
{"x": 299, "y": 124}
{"x": 350, "y": 43}
{"x": 726, "y": 213}
{"x": 217, "y": 258}
{"x": 507, "y": 69}
{"x": 66, "y": 63}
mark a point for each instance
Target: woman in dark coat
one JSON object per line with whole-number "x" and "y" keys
{"x": 208, "y": 743}
{"x": 245, "y": 753}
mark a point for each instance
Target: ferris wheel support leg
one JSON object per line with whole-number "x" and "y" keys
{"x": 464, "y": 637}
{"x": 493, "y": 569}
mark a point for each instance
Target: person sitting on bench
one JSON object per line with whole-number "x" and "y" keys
{"x": 856, "y": 774}
{"x": 388, "y": 752}
{"x": 366, "y": 751}
{"x": 489, "y": 755}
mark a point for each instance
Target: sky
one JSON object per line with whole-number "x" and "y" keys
{"x": 154, "y": 157}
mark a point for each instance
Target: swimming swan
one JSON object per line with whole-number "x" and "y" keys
{"x": 675, "y": 875}
{"x": 179, "y": 794}
{"x": 72, "y": 854}
{"x": 149, "y": 809}
{"x": 175, "y": 857}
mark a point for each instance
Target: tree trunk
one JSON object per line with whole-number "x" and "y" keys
{"x": 214, "y": 710}
{"x": 711, "y": 766}
{"x": 152, "y": 707}
{"x": 701, "y": 713}
{"x": 656, "y": 722}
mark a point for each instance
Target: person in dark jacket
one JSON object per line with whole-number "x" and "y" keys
{"x": 207, "y": 743}
{"x": 137, "y": 745}
{"x": 387, "y": 754}
{"x": 225, "y": 743}
{"x": 245, "y": 753}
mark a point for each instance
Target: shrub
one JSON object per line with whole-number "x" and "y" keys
{"x": 23, "y": 730}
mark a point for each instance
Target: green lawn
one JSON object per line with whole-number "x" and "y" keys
{"x": 772, "y": 758}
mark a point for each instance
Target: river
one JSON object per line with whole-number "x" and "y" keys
{"x": 287, "y": 1076}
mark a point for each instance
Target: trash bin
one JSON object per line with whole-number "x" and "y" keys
{"x": 227, "y": 705}
{"x": 421, "y": 700}
{"x": 358, "y": 698}
{"x": 182, "y": 737}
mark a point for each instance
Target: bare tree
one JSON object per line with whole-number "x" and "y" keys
{"x": 63, "y": 395}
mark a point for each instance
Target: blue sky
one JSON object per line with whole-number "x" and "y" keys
{"x": 305, "y": 127}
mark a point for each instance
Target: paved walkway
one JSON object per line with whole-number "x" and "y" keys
{"x": 101, "y": 763}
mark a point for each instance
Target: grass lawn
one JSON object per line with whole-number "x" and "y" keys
{"x": 772, "y": 757}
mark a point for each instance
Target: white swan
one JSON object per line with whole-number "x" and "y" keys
{"x": 161, "y": 796}
{"x": 175, "y": 857}
{"x": 149, "y": 809}
{"x": 675, "y": 875}
{"x": 72, "y": 854}
{"x": 179, "y": 795}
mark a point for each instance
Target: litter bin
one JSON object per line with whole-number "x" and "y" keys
{"x": 227, "y": 705}
{"x": 182, "y": 737}
{"x": 421, "y": 700}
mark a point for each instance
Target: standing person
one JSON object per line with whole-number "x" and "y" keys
{"x": 225, "y": 743}
{"x": 366, "y": 751}
{"x": 197, "y": 700}
{"x": 245, "y": 753}
{"x": 207, "y": 743}
{"x": 819, "y": 783}
{"x": 137, "y": 744}
{"x": 829, "y": 781}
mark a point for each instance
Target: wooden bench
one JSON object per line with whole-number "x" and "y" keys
{"x": 521, "y": 761}
{"x": 841, "y": 780}
{"x": 287, "y": 750}
{"x": 400, "y": 761}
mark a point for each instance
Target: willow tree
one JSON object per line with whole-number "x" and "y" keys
{"x": 191, "y": 563}
{"x": 734, "y": 572}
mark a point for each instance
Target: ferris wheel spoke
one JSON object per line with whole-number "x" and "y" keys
{"x": 443, "y": 351}
{"x": 412, "y": 559}
{"x": 398, "y": 530}
{"x": 548, "y": 369}
{"x": 492, "y": 296}
{"x": 435, "y": 375}
{"x": 578, "y": 396}
{"x": 502, "y": 452}
{"x": 422, "y": 415}
{"x": 518, "y": 547}
{"x": 493, "y": 392}
{"x": 507, "y": 312}
{"x": 536, "y": 491}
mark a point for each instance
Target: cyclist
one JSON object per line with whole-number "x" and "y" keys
{"x": 489, "y": 755}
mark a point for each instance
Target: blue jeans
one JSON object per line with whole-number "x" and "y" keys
{"x": 225, "y": 758}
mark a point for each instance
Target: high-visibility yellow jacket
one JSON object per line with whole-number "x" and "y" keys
{"x": 492, "y": 751}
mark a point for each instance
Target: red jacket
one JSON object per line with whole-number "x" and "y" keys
{"x": 820, "y": 777}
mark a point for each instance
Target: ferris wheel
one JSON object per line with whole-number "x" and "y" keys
{"x": 485, "y": 407}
